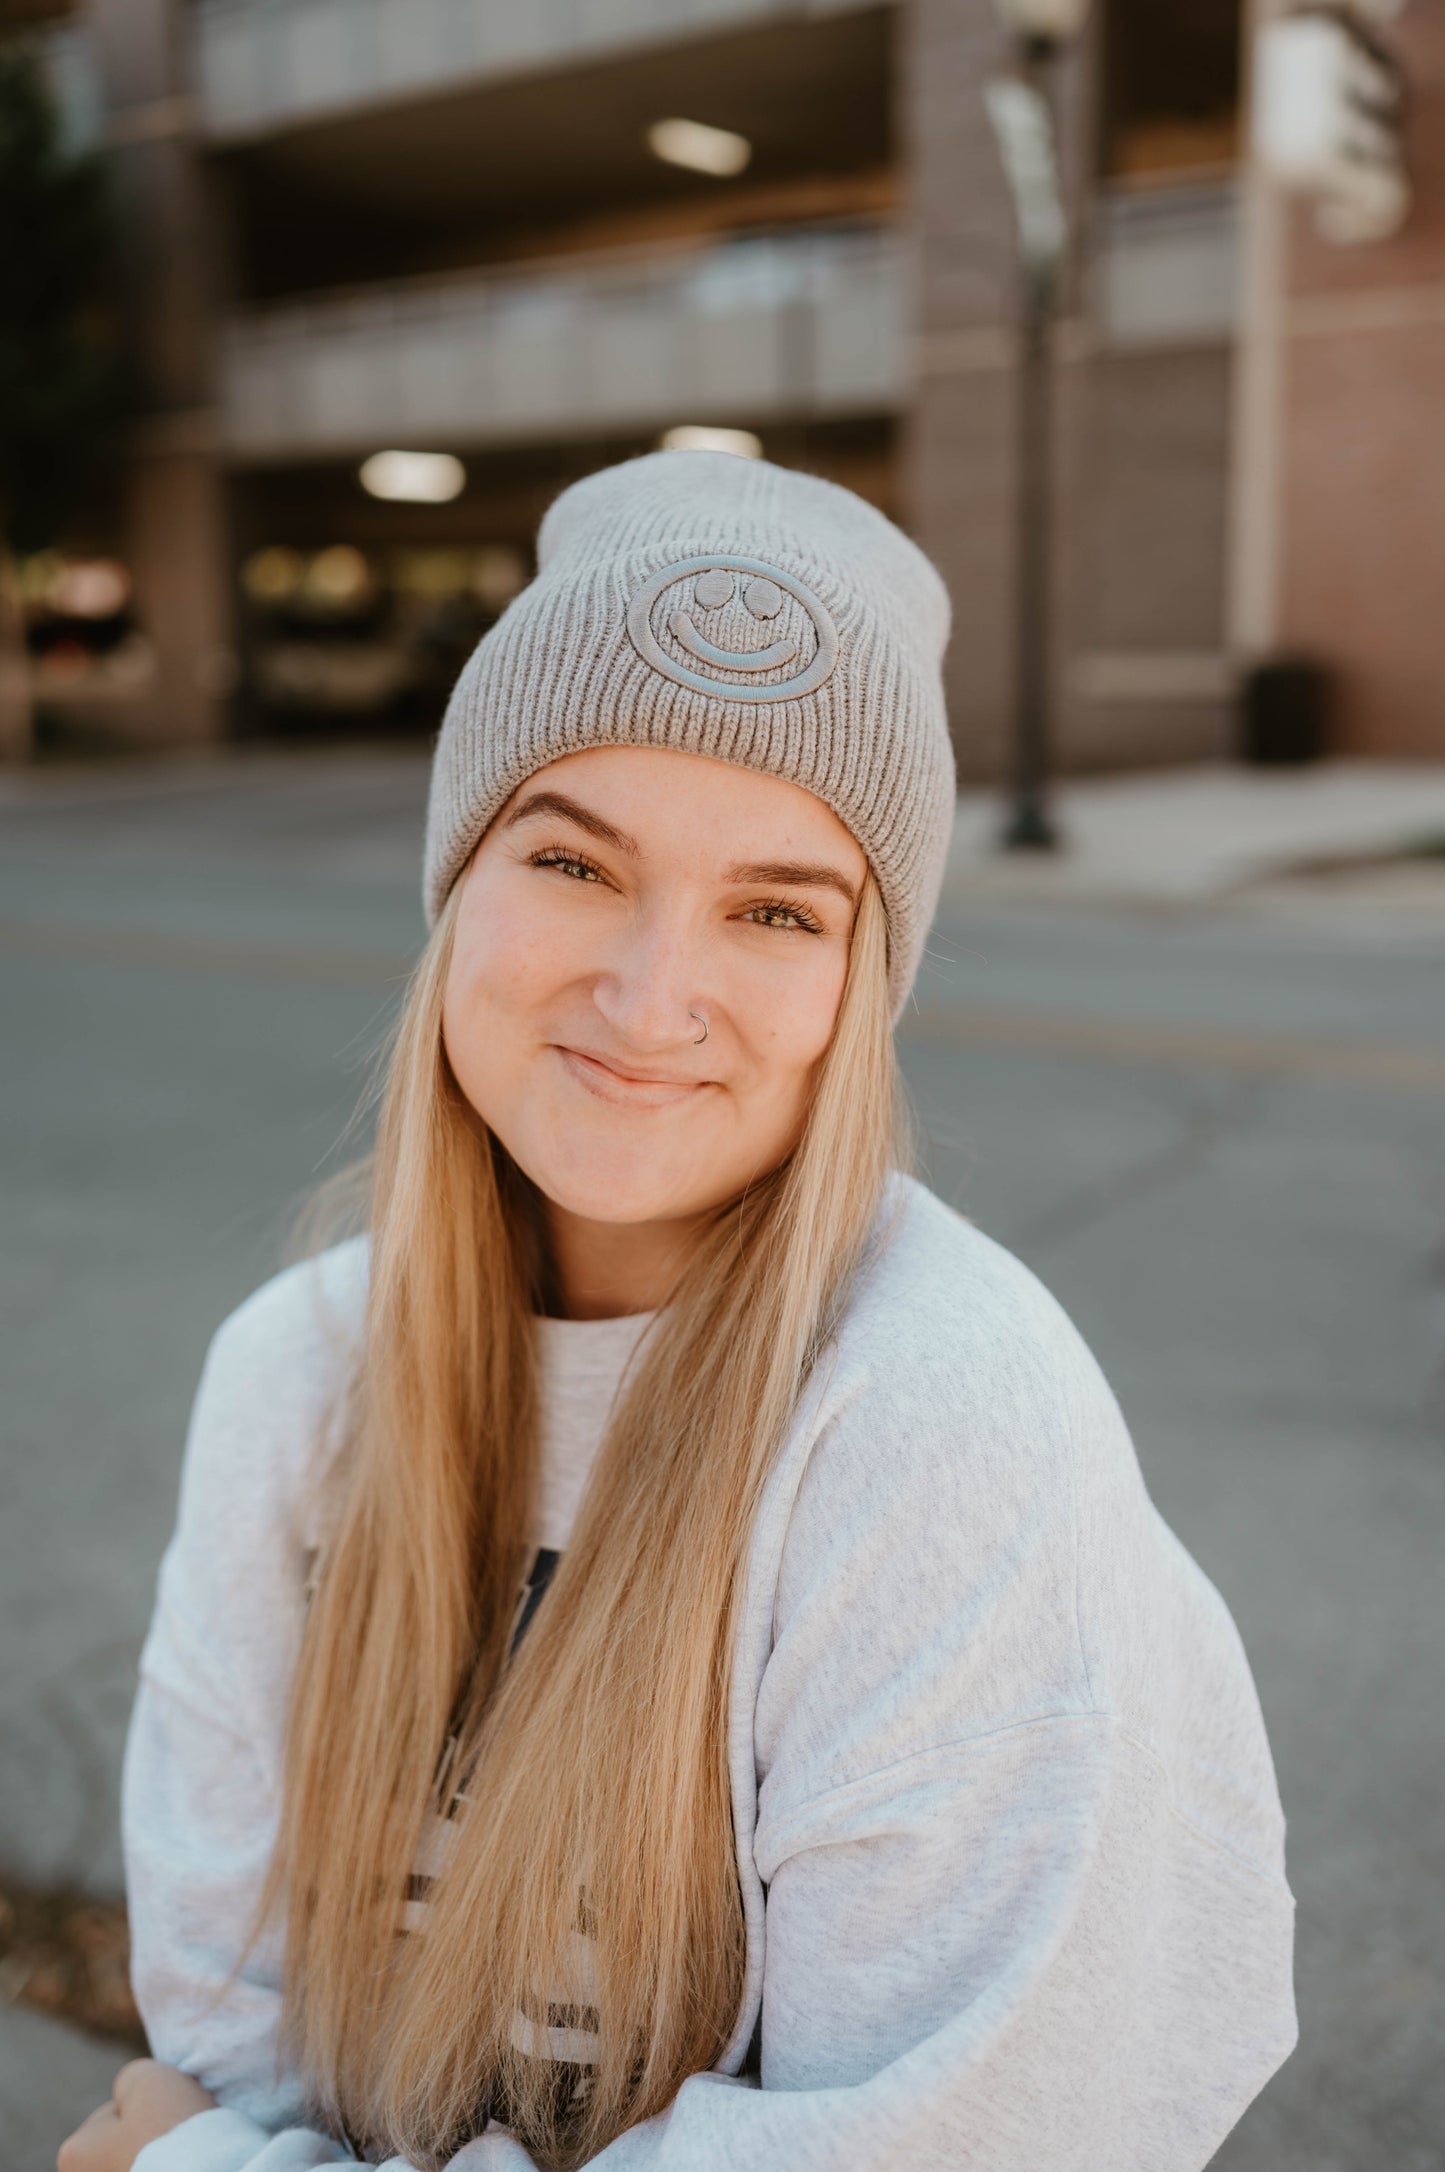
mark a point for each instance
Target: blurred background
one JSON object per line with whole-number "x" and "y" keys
{"x": 1134, "y": 315}
{"x": 534, "y": 235}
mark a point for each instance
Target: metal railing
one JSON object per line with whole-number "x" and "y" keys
{"x": 266, "y": 64}
{"x": 807, "y": 322}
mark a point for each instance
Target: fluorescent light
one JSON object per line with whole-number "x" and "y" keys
{"x": 693, "y": 143}
{"x": 418, "y": 478}
{"x": 701, "y": 437}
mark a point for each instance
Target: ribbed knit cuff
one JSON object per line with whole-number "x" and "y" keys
{"x": 226, "y": 2141}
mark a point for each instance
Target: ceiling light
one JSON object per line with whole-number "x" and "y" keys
{"x": 692, "y": 143}
{"x": 338, "y": 575}
{"x": 273, "y": 574}
{"x": 417, "y": 478}
{"x": 701, "y": 437}
{"x": 90, "y": 588}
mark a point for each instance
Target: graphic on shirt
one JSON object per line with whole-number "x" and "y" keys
{"x": 449, "y": 1785}
{"x": 565, "y": 2033}
{"x": 734, "y": 626}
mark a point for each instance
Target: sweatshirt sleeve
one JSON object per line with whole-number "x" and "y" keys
{"x": 1006, "y": 1956}
{"x": 201, "y": 1778}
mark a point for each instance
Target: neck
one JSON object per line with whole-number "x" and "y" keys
{"x": 604, "y": 1270}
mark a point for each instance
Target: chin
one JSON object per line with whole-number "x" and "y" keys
{"x": 595, "y": 1174}
{"x": 649, "y": 1195}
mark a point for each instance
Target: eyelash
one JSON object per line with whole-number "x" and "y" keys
{"x": 799, "y": 915}
{"x": 581, "y": 869}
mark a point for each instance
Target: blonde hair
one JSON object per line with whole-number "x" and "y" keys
{"x": 601, "y": 1800}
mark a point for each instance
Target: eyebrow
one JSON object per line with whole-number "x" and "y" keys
{"x": 572, "y": 810}
{"x": 790, "y": 874}
{"x": 796, "y": 875}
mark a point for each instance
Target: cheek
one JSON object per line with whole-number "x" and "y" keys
{"x": 506, "y": 966}
{"x": 504, "y": 958}
{"x": 791, "y": 1031}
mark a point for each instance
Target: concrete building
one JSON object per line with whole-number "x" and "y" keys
{"x": 439, "y": 224}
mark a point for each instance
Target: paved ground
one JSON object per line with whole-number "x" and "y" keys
{"x": 1213, "y": 1126}
{"x": 1195, "y": 833}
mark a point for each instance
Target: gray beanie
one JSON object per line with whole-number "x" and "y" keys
{"x": 727, "y": 607}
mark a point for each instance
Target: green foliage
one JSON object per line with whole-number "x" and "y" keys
{"x": 62, "y": 381}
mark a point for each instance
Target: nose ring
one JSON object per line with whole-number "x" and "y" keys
{"x": 703, "y": 1023}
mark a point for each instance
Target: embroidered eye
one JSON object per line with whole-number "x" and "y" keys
{"x": 713, "y": 589}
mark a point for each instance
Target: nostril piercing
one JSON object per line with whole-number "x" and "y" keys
{"x": 703, "y": 1023}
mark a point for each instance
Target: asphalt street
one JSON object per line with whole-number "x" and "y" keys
{"x": 1214, "y": 1128}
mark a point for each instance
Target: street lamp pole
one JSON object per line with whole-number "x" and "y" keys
{"x": 1021, "y": 109}
{"x": 1029, "y": 827}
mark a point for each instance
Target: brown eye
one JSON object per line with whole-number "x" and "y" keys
{"x": 567, "y": 863}
{"x": 779, "y": 914}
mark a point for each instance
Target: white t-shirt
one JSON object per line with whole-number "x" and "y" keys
{"x": 580, "y": 1364}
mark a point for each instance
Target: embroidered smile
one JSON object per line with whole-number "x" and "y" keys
{"x": 686, "y": 634}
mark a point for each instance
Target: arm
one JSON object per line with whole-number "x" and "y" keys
{"x": 201, "y": 1780}
{"x": 199, "y": 1821}
{"x": 991, "y": 1958}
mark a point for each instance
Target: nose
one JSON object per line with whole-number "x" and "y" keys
{"x": 653, "y": 984}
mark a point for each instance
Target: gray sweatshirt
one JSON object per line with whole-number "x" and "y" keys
{"x": 1008, "y": 1835}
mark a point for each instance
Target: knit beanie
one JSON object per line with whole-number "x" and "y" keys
{"x": 731, "y": 608}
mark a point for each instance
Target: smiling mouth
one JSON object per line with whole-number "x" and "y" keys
{"x": 684, "y": 631}
{"x": 627, "y": 1089}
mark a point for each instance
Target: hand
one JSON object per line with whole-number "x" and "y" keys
{"x": 149, "y": 2099}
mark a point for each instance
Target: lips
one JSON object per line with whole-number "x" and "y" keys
{"x": 630, "y": 1088}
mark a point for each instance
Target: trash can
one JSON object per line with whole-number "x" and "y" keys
{"x": 1284, "y": 711}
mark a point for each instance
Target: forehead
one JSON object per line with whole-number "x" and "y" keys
{"x": 693, "y": 806}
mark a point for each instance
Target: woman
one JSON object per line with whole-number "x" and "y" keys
{"x": 744, "y": 1710}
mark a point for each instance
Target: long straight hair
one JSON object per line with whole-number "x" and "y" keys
{"x": 596, "y": 1839}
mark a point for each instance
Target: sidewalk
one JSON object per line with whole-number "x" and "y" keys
{"x": 1191, "y": 834}
{"x": 1170, "y": 835}
{"x": 51, "y": 2076}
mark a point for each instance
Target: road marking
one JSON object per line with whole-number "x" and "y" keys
{"x": 206, "y": 953}
{"x": 1190, "y": 1048}
{"x": 1403, "y": 1068}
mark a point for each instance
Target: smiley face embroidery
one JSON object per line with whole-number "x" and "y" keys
{"x": 734, "y": 627}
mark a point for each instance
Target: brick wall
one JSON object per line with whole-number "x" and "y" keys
{"x": 1362, "y": 572}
